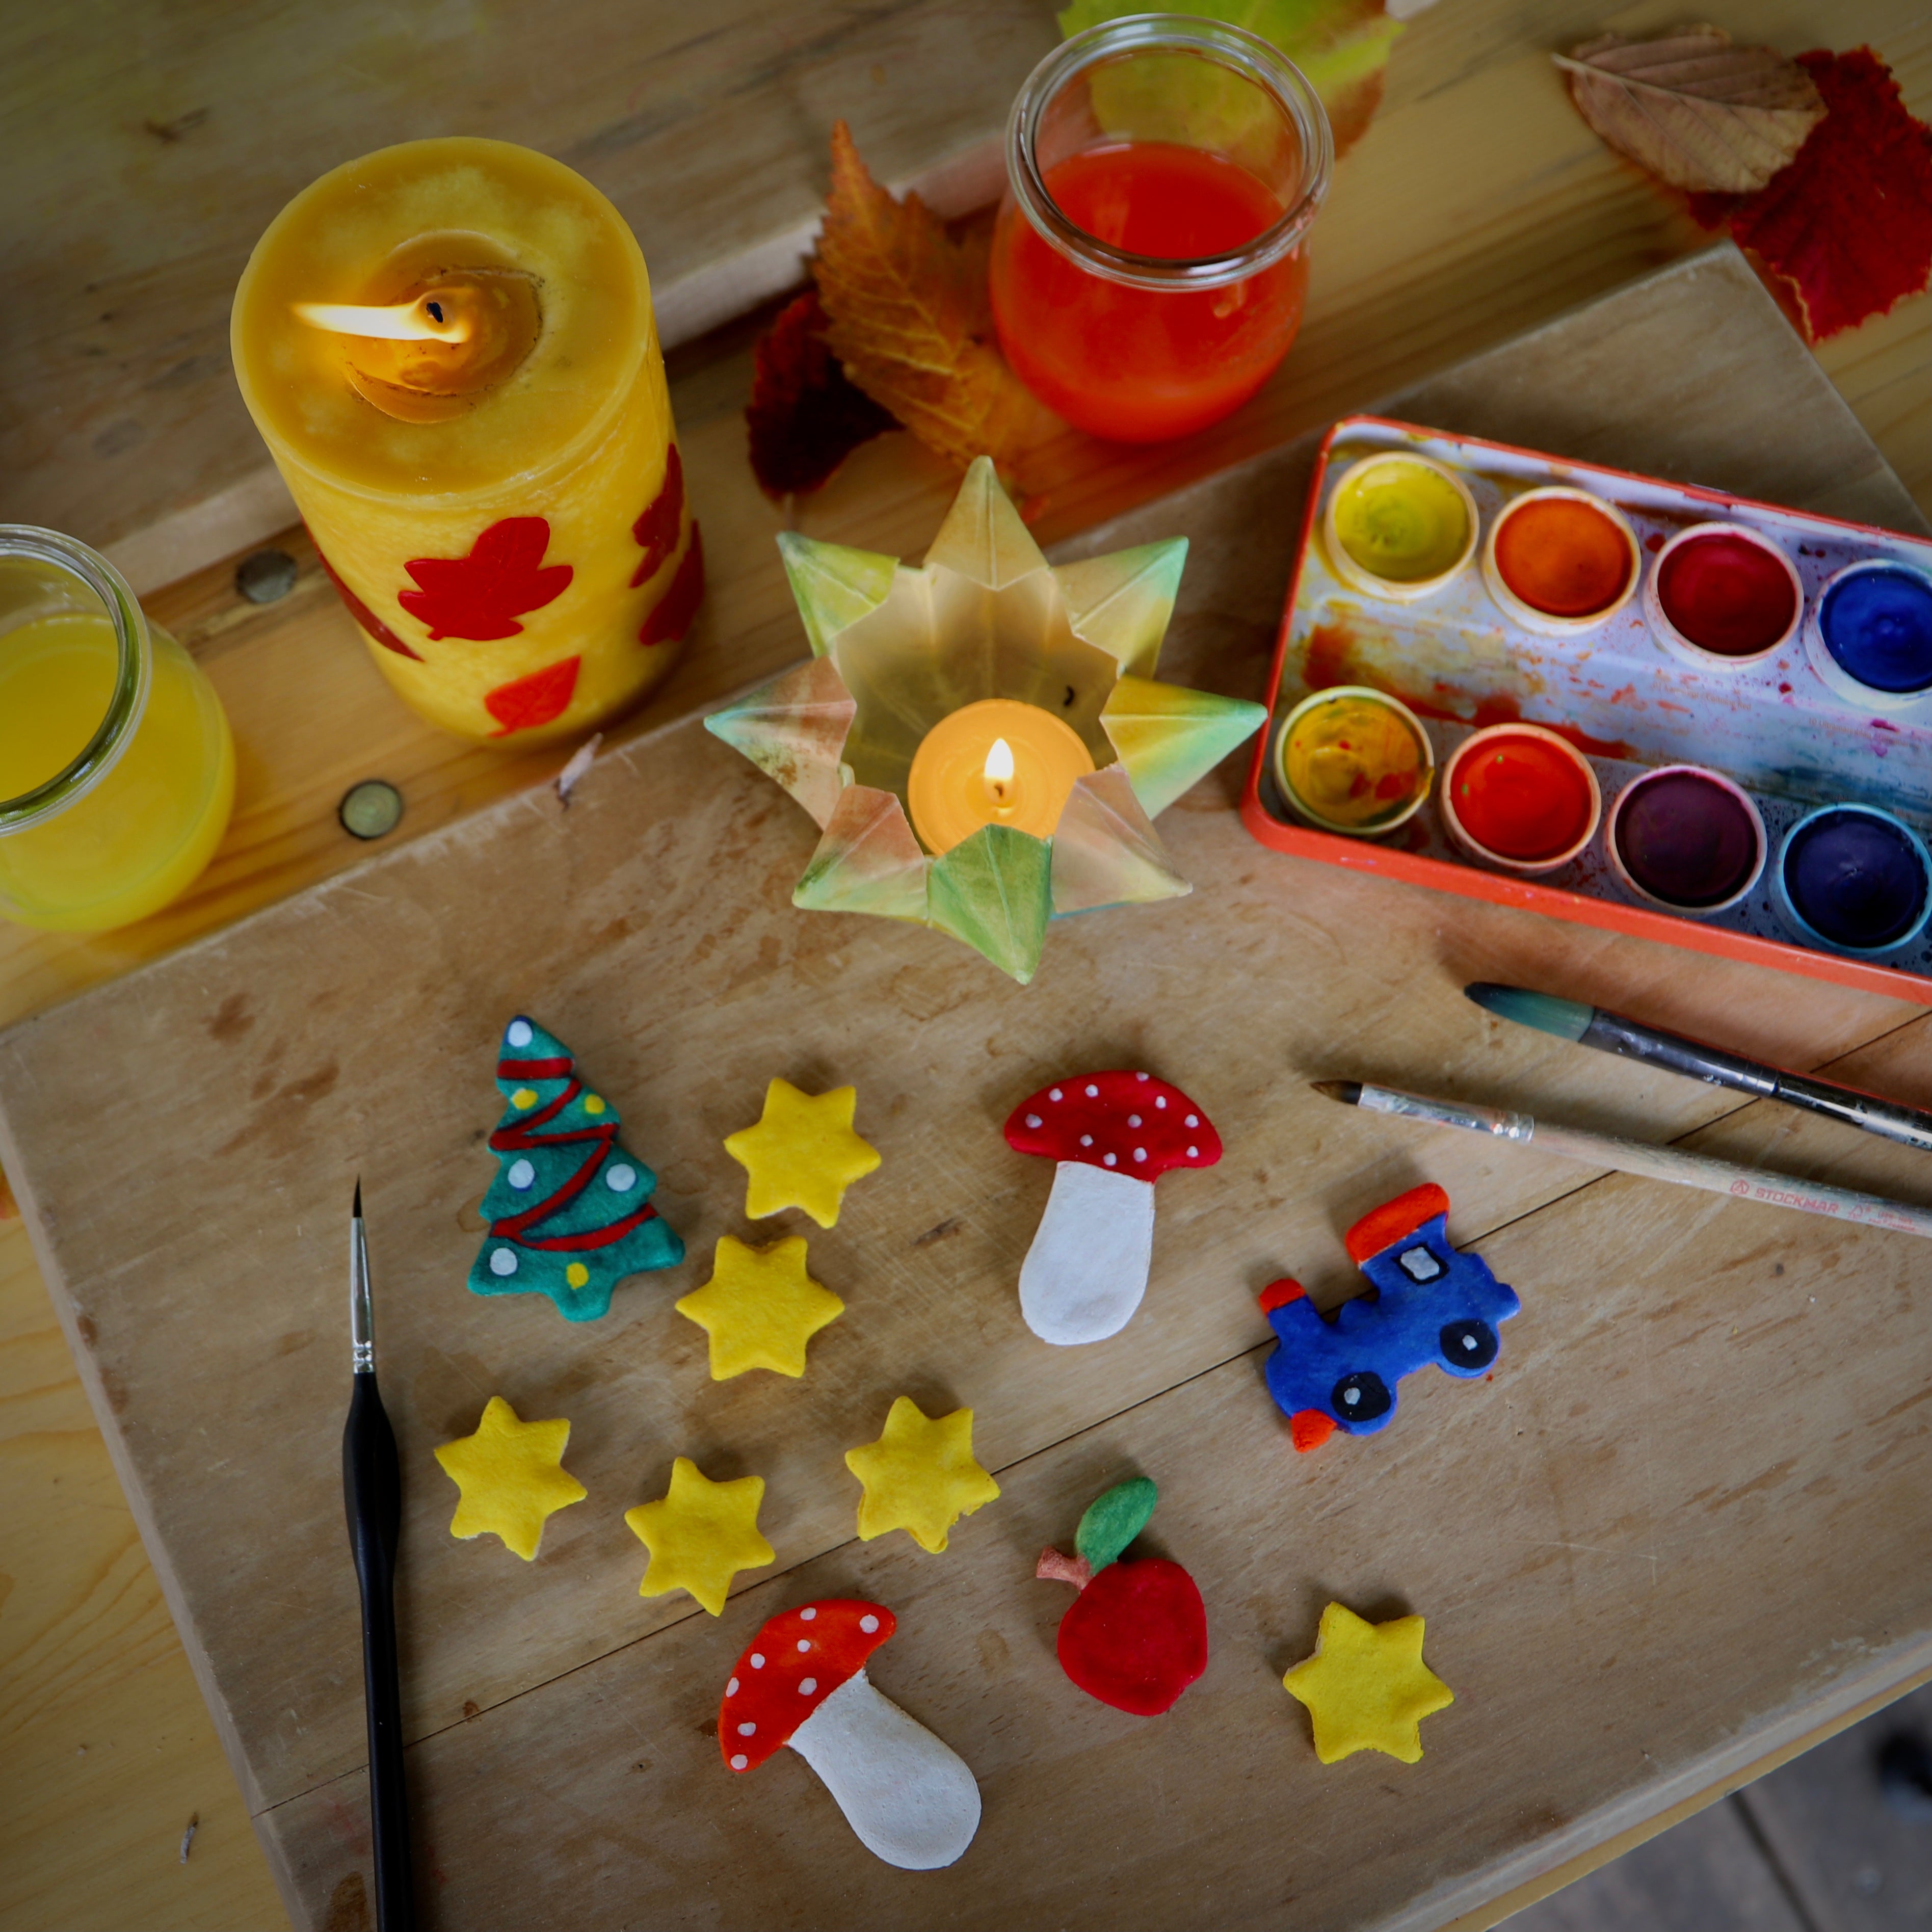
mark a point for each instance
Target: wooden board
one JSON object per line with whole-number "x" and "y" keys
{"x": 232, "y": 1091}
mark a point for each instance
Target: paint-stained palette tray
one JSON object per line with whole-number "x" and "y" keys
{"x": 1459, "y": 663}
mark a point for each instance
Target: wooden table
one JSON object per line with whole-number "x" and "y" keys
{"x": 109, "y": 1749}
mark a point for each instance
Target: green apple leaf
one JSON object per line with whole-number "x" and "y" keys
{"x": 1113, "y": 1520}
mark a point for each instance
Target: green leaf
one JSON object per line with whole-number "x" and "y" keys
{"x": 1113, "y": 1520}
{"x": 1342, "y": 46}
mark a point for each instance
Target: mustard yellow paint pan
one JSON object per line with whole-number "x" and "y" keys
{"x": 1399, "y": 526}
{"x": 1354, "y": 761}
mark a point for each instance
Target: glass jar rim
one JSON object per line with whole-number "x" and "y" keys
{"x": 1256, "y": 60}
{"x": 134, "y": 673}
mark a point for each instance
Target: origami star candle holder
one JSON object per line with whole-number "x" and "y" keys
{"x": 898, "y": 652}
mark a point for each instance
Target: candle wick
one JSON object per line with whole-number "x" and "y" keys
{"x": 435, "y": 310}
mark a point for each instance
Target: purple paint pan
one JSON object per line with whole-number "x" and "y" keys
{"x": 1686, "y": 838}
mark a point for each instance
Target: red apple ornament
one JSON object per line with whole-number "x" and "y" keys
{"x": 1136, "y": 1636}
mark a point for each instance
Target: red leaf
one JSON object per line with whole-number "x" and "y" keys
{"x": 806, "y": 415}
{"x": 657, "y": 528}
{"x": 1848, "y": 223}
{"x": 670, "y": 615}
{"x": 526, "y": 702}
{"x": 361, "y": 613}
{"x": 481, "y": 596}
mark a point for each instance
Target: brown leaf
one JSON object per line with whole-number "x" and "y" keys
{"x": 1695, "y": 110}
{"x": 911, "y": 320}
{"x": 805, "y": 416}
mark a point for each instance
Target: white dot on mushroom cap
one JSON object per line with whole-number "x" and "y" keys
{"x": 731, "y": 1689}
{"x": 757, "y": 1662}
{"x": 1092, "y": 1092}
{"x": 1193, "y": 1153}
{"x": 1133, "y": 1119}
{"x": 1194, "y": 1119}
{"x": 1112, "y": 1159}
{"x": 748, "y": 1730}
{"x": 868, "y": 1624}
{"x": 1033, "y": 1120}
{"x": 519, "y": 1034}
{"x": 1053, "y": 1094}
{"x": 1160, "y": 1099}
{"x": 1140, "y": 1076}
{"x": 1086, "y": 1140}
{"x": 739, "y": 1762}
{"x": 805, "y": 1616}
{"x": 807, "y": 1685}
{"x": 1140, "y": 1153}
{"x": 804, "y": 1643}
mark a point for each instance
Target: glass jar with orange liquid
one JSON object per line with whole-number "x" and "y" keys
{"x": 1149, "y": 265}
{"x": 117, "y": 768}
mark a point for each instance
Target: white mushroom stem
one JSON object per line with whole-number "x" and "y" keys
{"x": 1085, "y": 1273}
{"x": 911, "y": 1800}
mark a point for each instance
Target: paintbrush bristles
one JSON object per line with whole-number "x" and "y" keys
{"x": 1568, "y": 1019}
{"x": 1349, "y": 1092}
{"x": 361, "y": 1328}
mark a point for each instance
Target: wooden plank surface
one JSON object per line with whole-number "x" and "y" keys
{"x": 1534, "y": 215}
{"x": 282, "y": 1065}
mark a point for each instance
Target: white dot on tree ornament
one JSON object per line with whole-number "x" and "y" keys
{"x": 519, "y": 1034}
{"x": 521, "y": 1174}
{"x": 620, "y": 1179}
{"x": 502, "y": 1261}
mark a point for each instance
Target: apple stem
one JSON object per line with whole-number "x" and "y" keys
{"x": 1053, "y": 1567}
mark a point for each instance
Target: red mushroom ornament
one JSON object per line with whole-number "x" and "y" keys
{"x": 1136, "y": 1636}
{"x": 1113, "y": 1134}
{"x": 802, "y": 1682}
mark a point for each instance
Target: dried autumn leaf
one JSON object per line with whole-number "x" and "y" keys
{"x": 1693, "y": 109}
{"x": 911, "y": 320}
{"x": 806, "y": 415}
{"x": 1849, "y": 224}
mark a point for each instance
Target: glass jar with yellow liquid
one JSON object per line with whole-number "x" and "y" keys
{"x": 117, "y": 768}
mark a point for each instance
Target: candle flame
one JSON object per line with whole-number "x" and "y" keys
{"x": 427, "y": 319}
{"x": 999, "y": 762}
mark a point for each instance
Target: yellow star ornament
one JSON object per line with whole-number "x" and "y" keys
{"x": 510, "y": 1475}
{"x": 919, "y": 1476}
{"x": 1366, "y": 1687}
{"x": 760, "y": 1308}
{"x": 802, "y": 1153}
{"x": 700, "y": 1534}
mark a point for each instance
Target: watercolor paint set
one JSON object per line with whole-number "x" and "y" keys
{"x": 1639, "y": 704}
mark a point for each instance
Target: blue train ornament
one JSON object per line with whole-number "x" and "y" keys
{"x": 1432, "y": 1304}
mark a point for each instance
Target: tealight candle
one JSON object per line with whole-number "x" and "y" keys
{"x": 449, "y": 348}
{"x": 998, "y": 762}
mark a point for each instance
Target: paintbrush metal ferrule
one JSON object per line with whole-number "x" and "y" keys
{"x": 362, "y": 1326}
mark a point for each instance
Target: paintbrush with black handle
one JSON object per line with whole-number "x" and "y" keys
{"x": 372, "y": 1488}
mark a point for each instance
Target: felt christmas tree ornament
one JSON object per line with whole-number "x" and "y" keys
{"x": 919, "y": 1476}
{"x": 802, "y": 1153}
{"x": 700, "y": 1533}
{"x": 803, "y": 1681}
{"x": 569, "y": 1211}
{"x": 1112, "y": 1134}
{"x": 1366, "y": 1687}
{"x": 510, "y": 1477}
{"x": 760, "y": 1308}
{"x": 1136, "y": 1636}
{"x": 1432, "y": 1304}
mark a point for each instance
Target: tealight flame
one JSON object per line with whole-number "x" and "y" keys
{"x": 425, "y": 319}
{"x": 999, "y": 762}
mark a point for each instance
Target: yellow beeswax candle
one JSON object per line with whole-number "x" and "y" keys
{"x": 449, "y": 348}
{"x": 998, "y": 762}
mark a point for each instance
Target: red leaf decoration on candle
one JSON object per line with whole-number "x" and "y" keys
{"x": 526, "y": 702}
{"x": 481, "y": 596}
{"x": 1848, "y": 224}
{"x": 657, "y": 528}
{"x": 361, "y": 613}
{"x": 671, "y": 614}
{"x": 806, "y": 415}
